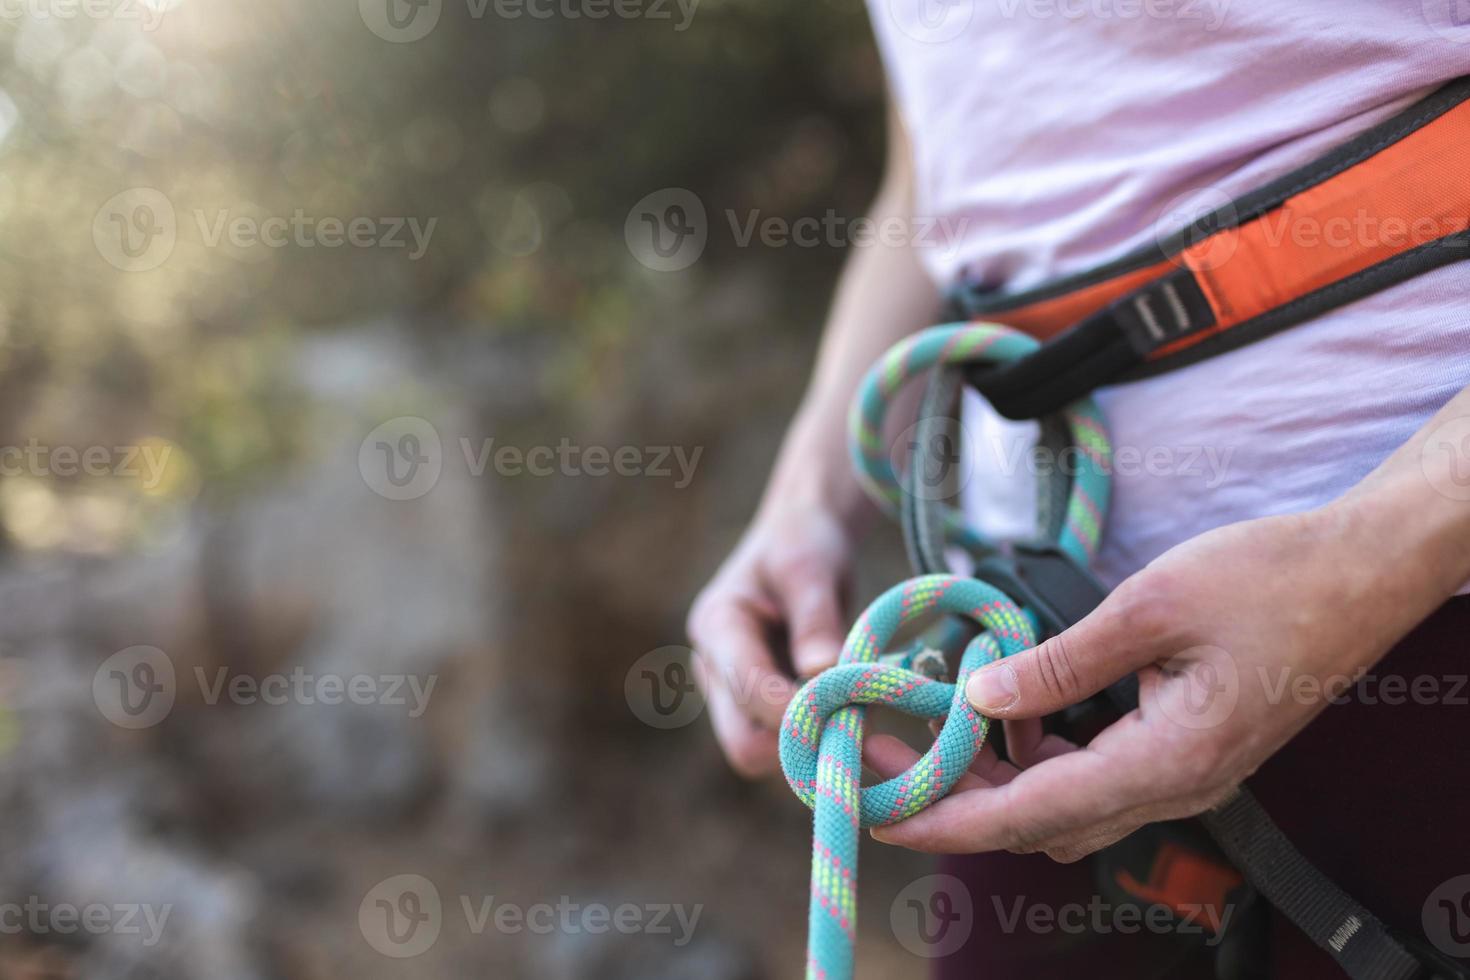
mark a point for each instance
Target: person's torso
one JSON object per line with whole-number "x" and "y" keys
{"x": 1051, "y": 136}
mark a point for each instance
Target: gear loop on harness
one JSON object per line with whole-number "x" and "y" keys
{"x": 1079, "y": 473}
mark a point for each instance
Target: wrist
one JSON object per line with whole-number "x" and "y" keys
{"x": 813, "y": 471}
{"x": 1404, "y": 536}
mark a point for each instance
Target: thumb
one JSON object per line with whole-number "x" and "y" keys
{"x": 1068, "y": 668}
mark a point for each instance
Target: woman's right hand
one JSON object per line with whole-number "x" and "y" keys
{"x": 784, "y": 587}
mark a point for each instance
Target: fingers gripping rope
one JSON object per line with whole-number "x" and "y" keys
{"x": 822, "y": 732}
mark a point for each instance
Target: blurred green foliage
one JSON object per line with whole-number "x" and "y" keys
{"x": 528, "y": 139}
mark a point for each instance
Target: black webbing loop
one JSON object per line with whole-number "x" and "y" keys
{"x": 1061, "y": 371}
{"x": 1353, "y": 936}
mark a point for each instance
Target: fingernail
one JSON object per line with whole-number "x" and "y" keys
{"x": 993, "y": 687}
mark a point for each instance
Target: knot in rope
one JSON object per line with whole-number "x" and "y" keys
{"x": 822, "y": 731}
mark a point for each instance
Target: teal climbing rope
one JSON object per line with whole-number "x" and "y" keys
{"x": 822, "y": 732}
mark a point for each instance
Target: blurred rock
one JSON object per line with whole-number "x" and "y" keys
{"x": 91, "y": 814}
{"x": 516, "y": 605}
{"x": 317, "y": 580}
{"x": 612, "y": 956}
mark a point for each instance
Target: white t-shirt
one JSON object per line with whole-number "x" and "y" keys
{"x": 1051, "y": 136}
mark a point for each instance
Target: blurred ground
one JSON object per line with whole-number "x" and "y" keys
{"x": 232, "y": 523}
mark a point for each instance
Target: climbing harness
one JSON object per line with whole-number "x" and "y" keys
{"x": 1239, "y": 274}
{"x": 1390, "y": 205}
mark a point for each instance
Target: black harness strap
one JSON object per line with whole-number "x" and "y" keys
{"x": 1354, "y": 937}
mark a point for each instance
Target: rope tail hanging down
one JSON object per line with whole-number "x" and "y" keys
{"x": 822, "y": 733}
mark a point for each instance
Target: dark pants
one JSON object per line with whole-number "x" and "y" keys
{"x": 1375, "y": 792}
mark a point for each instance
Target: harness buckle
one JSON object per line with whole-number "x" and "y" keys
{"x": 1043, "y": 579}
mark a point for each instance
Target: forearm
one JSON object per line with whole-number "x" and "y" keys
{"x": 883, "y": 296}
{"x": 1408, "y": 522}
